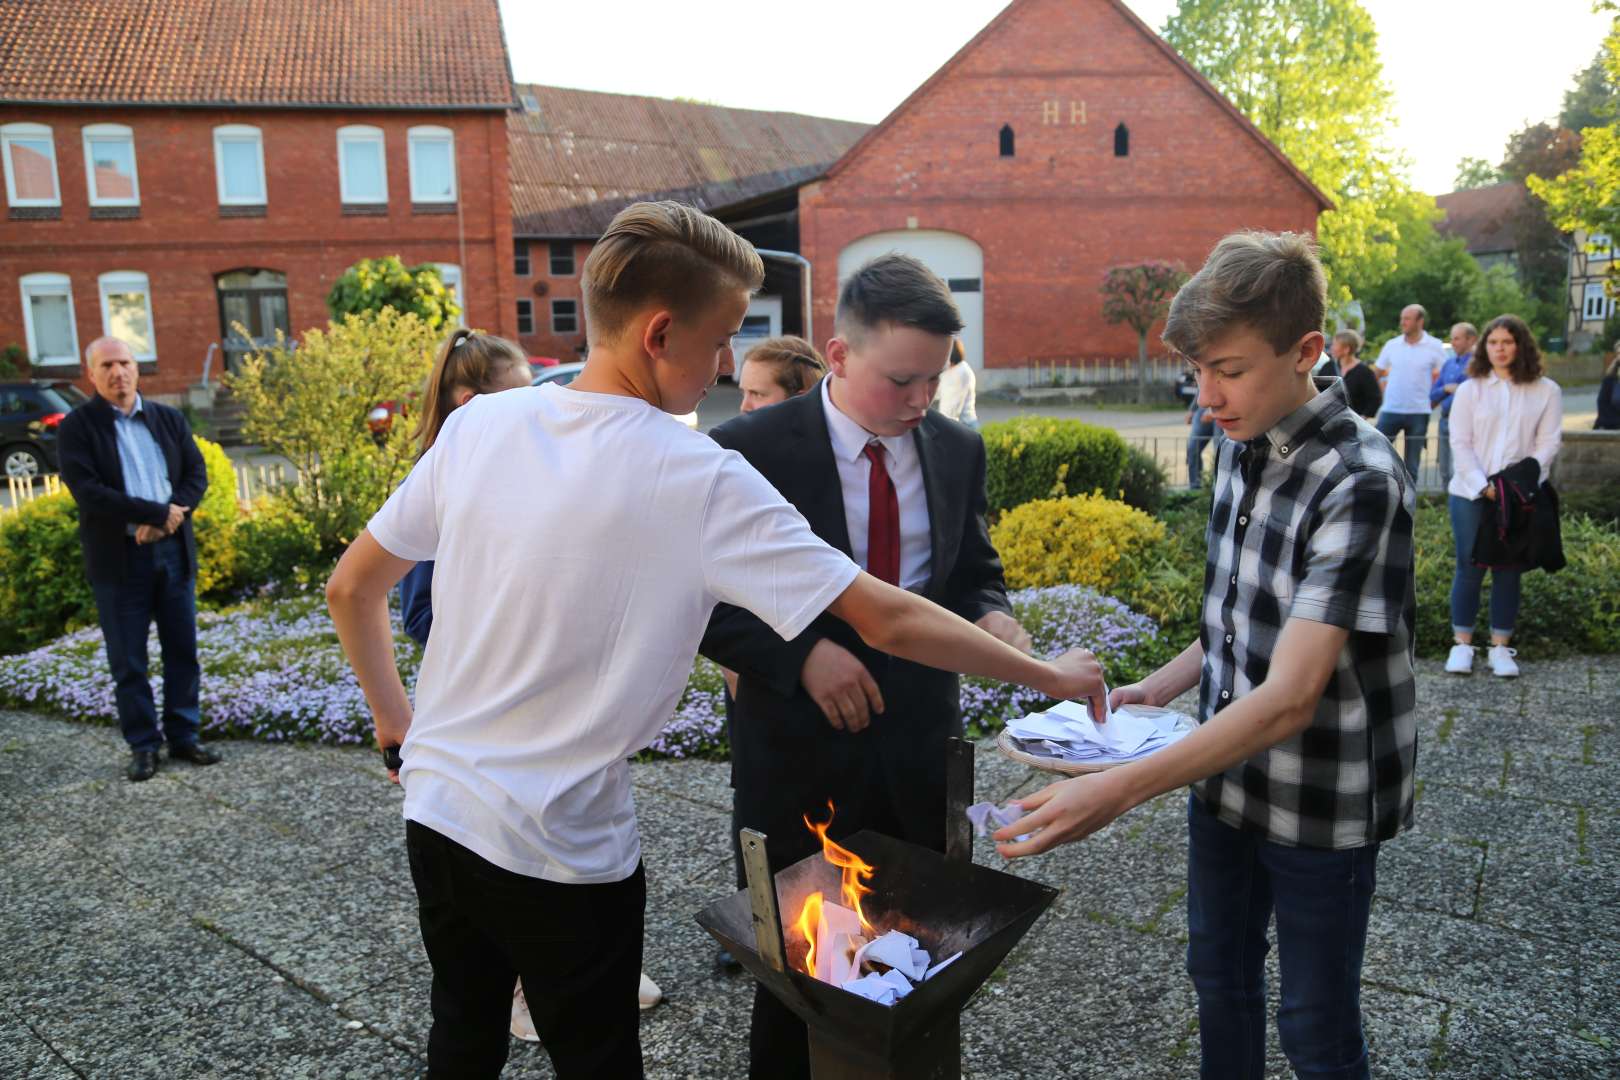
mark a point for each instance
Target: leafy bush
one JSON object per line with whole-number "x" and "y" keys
{"x": 371, "y": 285}
{"x": 276, "y": 545}
{"x": 309, "y": 405}
{"x": 214, "y": 522}
{"x": 1077, "y": 540}
{"x": 1040, "y": 457}
{"x": 1142, "y": 481}
{"x": 43, "y": 588}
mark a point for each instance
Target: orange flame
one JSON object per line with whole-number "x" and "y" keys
{"x": 856, "y": 871}
{"x": 809, "y": 917}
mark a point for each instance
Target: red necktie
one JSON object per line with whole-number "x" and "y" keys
{"x": 882, "y": 520}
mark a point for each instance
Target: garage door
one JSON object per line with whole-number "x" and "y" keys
{"x": 952, "y": 256}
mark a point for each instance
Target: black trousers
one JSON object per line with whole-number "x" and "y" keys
{"x": 576, "y": 947}
{"x": 159, "y": 587}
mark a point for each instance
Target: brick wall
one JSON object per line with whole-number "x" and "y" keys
{"x": 541, "y": 287}
{"x": 182, "y": 237}
{"x": 1053, "y": 217}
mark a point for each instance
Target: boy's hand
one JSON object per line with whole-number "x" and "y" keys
{"x": 1134, "y": 694}
{"x": 1067, "y": 810}
{"x": 1003, "y": 627}
{"x": 1077, "y": 674}
{"x": 841, "y": 686}
{"x": 390, "y": 731}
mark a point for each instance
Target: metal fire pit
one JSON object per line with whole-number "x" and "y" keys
{"x": 944, "y": 901}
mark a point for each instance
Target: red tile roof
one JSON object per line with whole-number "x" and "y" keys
{"x": 434, "y": 54}
{"x": 582, "y": 156}
{"x": 1483, "y": 217}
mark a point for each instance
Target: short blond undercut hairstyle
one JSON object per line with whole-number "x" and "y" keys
{"x": 666, "y": 254}
{"x": 1271, "y": 283}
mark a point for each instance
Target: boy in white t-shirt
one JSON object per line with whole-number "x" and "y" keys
{"x": 582, "y": 538}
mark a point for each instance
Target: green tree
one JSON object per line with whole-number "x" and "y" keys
{"x": 1139, "y": 296}
{"x": 1308, "y": 74}
{"x": 1593, "y": 100}
{"x": 309, "y": 405}
{"x": 1473, "y": 172}
{"x": 1586, "y": 196}
{"x": 1437, "y": 272}
{"x": 374, "y": 284}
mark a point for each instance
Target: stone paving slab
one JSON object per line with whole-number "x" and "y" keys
{"x": 256, "y": 919}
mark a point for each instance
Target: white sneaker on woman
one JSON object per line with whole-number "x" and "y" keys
{"x": 1502, "y": 663}
{"x": 649, "y": 994}
{"x": 1461, "y": 660}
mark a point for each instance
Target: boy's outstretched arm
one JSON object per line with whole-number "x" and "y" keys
{"x": 903, "y": 624}
{"x": 1277, "y": 709}
{"x": 357, "y": 597}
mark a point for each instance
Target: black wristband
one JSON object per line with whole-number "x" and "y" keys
{"x": 391, "y": 758}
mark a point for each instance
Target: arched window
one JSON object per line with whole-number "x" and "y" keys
{"x": 432, "y": 154}
{"x": 48, "y": 325}
{"x": 30, "y": 165}
{"x": 239, "y": 165}
{"x": 1122, "y": 140}
{"x": 362, "y": 165}
{"x": 126, "y": 311}
{"x": 109, "y": 165}
{"x": 255, "y": 300}
{"x": 1006, "y": 140}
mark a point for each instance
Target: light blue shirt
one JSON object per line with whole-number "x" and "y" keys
{"x": 146, "y": 471}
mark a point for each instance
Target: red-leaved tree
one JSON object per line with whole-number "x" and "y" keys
{"x": 1139, "y": 295}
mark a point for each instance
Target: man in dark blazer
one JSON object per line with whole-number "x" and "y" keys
{"x": 823, "y": 718}
{"x": 136, "y": 475}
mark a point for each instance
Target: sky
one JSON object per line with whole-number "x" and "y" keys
{"x": 1454, "y": 65}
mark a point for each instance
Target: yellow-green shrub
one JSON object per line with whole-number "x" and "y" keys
{"x": 1078, "y": 540}
{"x": 214, "y": 522}
{"x": 1042, "y": 457}
{"x": 43, "y": 588}
{"x": 277, "y": 544}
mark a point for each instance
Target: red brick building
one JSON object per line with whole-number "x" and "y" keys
{"x": 578, "y": 157}
{"x": 172, "y": 169}
{"x": 1065, "y": 138}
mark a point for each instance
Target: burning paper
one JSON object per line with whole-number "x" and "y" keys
{"x": 885, "y": 989}
{"x": 898, "y": 951}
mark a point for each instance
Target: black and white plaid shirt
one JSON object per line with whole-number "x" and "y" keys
{"x": 1313, "y": 520}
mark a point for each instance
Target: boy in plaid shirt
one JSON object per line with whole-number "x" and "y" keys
{"x": 1302, "y": 763}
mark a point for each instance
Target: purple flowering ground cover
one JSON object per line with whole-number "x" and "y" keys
{"x": 273, "y": 671}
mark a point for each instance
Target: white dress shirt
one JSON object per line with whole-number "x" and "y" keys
{"x": 900, "y": 458}
{"x": 1496, "y": 422}
{"x": 958, "y": 388}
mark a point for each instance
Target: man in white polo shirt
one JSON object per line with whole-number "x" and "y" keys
{"x": 1406, "y": 367}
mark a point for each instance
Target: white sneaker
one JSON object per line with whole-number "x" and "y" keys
{"x": 1461, "y": 660}
{"x": 649, "y": 994}
{"x": 522, "y": 1023}
{"x": 1501, "y": 658}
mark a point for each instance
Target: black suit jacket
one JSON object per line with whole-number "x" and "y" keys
{"x": 787, "y": 759}
{"x": 87, "y": 447}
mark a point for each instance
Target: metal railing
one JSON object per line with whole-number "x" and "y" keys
{"x": 1060, "y": 372}
{"x": 252, "y": 481}
{"x": 1170, "y": 451}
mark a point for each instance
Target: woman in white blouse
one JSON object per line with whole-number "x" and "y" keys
{"x": 1505, "y": 412}
{"x": 958, "y": 389}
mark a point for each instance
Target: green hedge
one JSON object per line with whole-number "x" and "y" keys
{"x": 1039, "y": 457}
{"x": 43, "y": 589}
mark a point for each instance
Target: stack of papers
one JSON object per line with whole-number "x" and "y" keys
{"x": 907, "y": 964}
{"x": 1067, "y": 732}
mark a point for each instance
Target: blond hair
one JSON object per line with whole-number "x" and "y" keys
{"x": 468, "y": 360}
{"x": 663, "y": 253}
{"x": 1271, "y": 283}
{"x": 795, "y": 365}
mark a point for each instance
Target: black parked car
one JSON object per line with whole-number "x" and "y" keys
{"x": 29, "y": 415}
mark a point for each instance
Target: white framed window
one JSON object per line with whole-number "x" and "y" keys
{"x": 109, "y": 165}
{"x": 239, "y": 165}
{"x": 565, "y": 317}
{"x": 47, "y": 301}
{"x": 433, "y": 164}
{"x": 30, "y": 164}
{"x": 1597, "y": 305}
{"x": 126, "y": 311}
{"x": 451, "y": 274}
{"x": 362, "y": 164}
{"x": 1600, "y": 247}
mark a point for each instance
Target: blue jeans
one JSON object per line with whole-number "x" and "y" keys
{"x": 1235, "y": 881}
{"x": 1202, "y": 434}
{"x": 1416, "y": 426}
{"x": 1466, "y": 515}
{"x": 158, "y": 587}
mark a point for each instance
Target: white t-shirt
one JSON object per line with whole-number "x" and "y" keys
{"x": 581, "y": 541}
{"x": 957, "y": 390}
{"x": 1412, "y": 369}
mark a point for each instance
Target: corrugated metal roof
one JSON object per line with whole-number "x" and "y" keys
{"x": 442, "y": 54}
{"x": 582, "y": 156}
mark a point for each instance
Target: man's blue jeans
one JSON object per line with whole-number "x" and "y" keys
{"x": 1416, "y": 426}
{"x": 1235, "y": 880}
{"x": 158, "y": 589}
